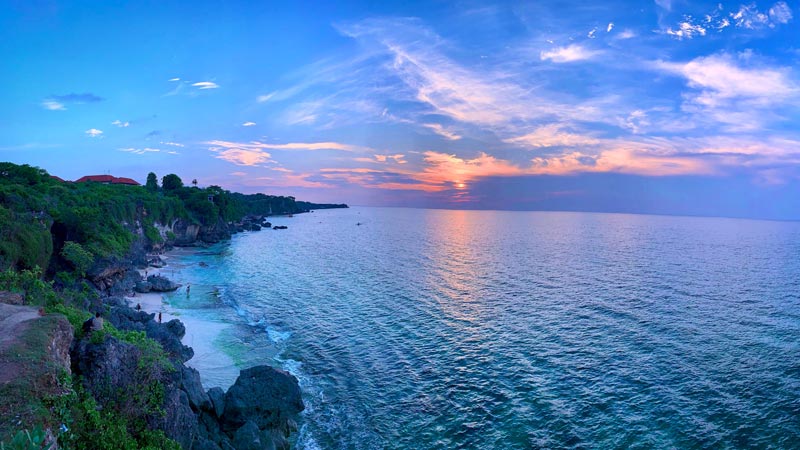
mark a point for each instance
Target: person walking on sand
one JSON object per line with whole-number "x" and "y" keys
{"x": 138, "y": 306}
{"x": 159, "y": 317}
{"x": 188, "y": 288}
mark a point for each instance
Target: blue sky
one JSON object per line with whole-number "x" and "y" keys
{"x": 670, "y": 107}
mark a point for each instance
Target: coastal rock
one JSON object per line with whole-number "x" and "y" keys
{"x": 156, "y": 261}
{"x": 160, "y": 283}
{"x": 216, "y": 232}
{"x": 217, "y": 397}
{"x": 125, "y": 318}
{"x": 179, "y": 422}
{"x": 169, "y": 336}
{"x": 280, "y": 227}
{"x": 267, "y": 396}
{"x": 249, "y": 437}
{"x": 185, "y": 232}
{"x": 143, "y": 287}
{"x": 11, "y": 298}
{"x": 107, "y": 366}
{"x": 190, "y": 382}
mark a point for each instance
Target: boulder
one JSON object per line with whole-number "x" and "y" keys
{"x": 160, "y": 283}
{"x": 179, "y": 422}
{"x": 191, "y": 384}
{"x": 217, "y": 397}
{"x": 266, "y": 396}
{"x": 143, "y": 287}
{"x": 169, "y": 336}
{"x": 11, "y": 298}
{"x": 249, "y": 437}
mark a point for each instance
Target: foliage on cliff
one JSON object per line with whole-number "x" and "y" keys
{"x": 58, "y": 225}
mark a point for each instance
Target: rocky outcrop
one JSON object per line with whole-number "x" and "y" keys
{"x": 257, "y": 412}
{"x": 216, "y": 232}
{"x": 160, "y": 283}
{"x": 11, "y": 298}
{"x": 185, "y": 233}
{"x": 265, "y": 395}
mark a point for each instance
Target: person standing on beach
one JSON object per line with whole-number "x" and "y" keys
{"x": 188, "y": 288}
{"x": 159, "y": 317}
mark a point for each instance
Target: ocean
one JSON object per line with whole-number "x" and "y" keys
{"x": 439, "y": 329}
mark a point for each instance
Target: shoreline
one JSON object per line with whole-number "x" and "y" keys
{"x": 216, "y": 368}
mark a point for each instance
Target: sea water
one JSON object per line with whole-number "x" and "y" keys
{"x": 435, "y": 329}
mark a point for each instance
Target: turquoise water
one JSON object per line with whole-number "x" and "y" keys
{"x": 432, "y": 329}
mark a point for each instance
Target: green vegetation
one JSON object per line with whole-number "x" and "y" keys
{"x": 52, "y": 233}
{"x": 52, "y": 224}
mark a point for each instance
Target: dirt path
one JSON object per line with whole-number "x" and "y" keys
{"x": 11, "y": 318}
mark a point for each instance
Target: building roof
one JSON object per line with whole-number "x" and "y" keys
{"x": 107, "y": 179}
{"x": 96, "y": 179}
{"x": 57, "y": 178}
{"x": 123, "y": 180}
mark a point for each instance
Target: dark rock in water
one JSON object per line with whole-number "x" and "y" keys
{"x": 203, "y": 264}
{"x": 280, "y": 227}
{"x": 267, "y": 396}
{"x": 160, "y": 283}
{"x": 190, "y": 382}
{"x": 143, "y": 287}
{"x": 266, "y": 225}
{"x": 217, "y": 397}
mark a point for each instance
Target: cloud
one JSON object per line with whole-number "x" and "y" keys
{"x": 205, "y": 85}
{"x": 552, "y": 136}
{"x": 665, "y": 4}
{"x": 173, "y": 144}
{"x": 569, "y": 53}
{"x": 141, "y": 151}
{"x": 174, "y": 79}
{"x": 53, "y": 105}
{"x": 625, "y": 34}
{"x": 292, "y": 146}
{"x": 384, "y": 159}
{"x": 687, "y": 30}
{"x": 592, "y": 33}
{"x": 442, "y": 131}
{"x": 610, "y": 27}
{"x": 244, "y": 156}
{"x": 264, "y": 98}
{"x": 121, "y": 124}
{"x": 248, "y": 124}
{"x": 739, "y": 93}
{"x": 93, "y": 132}
{"x": 780, "y": 13}
{"x": 719, "y": 77}
{"x": 749, "y": 17}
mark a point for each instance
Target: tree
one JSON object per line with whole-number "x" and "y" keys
{"x": 171, "y": 182}
{"x": 194, "y": 182}
{"x": 152, "y": 182}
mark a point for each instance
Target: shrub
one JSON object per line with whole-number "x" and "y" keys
{"x": 80, "y": 258}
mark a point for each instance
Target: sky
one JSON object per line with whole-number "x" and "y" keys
{"x": 664, "y": 107}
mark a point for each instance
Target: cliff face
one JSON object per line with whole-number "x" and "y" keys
{"x": 34, "y": 356}
{"x": 257, "y": 412}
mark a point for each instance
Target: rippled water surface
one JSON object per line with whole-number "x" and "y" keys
{"x": 431, "y": 329}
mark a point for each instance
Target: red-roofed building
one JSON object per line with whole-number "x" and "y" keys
{"x": 123, "y": 180}
{"x": 107, "y": 179}
{"x": 59, "y": 179}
